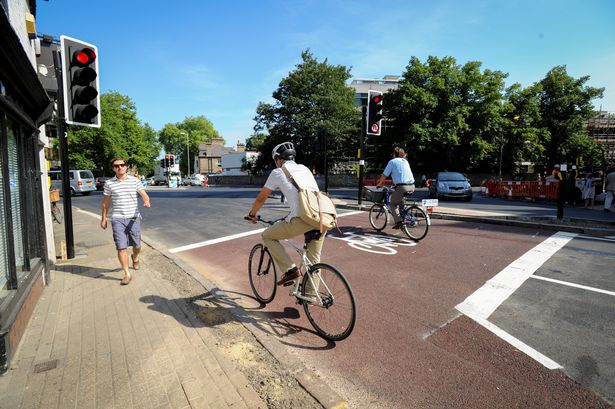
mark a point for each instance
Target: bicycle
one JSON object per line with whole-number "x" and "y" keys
{"x": 56, "y": 213}
{"x": 415, "y": 221}
{"x": 331, "y": 309}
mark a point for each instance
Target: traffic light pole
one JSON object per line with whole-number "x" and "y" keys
{"x": 62, "y": 134}
{"x": 361, "y": 153}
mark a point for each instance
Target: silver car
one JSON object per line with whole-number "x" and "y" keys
{"x": 81, "y": 181}
{"x": 450, "y": 185}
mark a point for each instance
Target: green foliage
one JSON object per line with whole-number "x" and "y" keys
{"x": 450, "y": 116}
{"x": 312, "y": 98}
{"x": 565, "y": 106}
{"x": 121, "y": 134}
{"x": 185, "y": 137}
{"x": 444, "y": 114}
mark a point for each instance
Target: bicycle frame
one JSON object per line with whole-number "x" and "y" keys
{"x": 403, "y": 210}
{"x": 305, "y": 268}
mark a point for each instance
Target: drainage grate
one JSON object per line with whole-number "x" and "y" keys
{"x": 45, "y": 366}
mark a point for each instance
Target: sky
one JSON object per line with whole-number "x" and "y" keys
{"x": 221, "y": 58}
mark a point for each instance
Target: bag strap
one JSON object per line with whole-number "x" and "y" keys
{"x": 288, "y": 175}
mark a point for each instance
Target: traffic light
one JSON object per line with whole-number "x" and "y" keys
{"x": 162, "y": 163}
{"x": 167, "y": 160}
{"x": 374, "y": 112}
{"x": 80, "y": 84}
{"x": 172, "y": 160}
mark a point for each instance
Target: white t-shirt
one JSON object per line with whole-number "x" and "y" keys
{"x": 277, "y": 180}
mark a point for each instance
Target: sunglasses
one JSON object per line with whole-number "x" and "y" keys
{"x": 119, "y": 165}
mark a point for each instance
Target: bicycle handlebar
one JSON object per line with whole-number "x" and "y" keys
{"x": 260, "y": 219}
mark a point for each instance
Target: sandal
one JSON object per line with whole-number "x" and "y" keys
{"x": 126, "y": 280}
{"x": 135, "y": 264}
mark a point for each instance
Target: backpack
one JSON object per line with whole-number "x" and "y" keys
{"x": 315, "y": 208}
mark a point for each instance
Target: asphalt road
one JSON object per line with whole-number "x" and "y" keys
{"x": 411, "y": 346}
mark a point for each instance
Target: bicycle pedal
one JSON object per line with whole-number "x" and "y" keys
{"x": 288, "y": 283}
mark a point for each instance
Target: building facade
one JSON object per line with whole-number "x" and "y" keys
{"x": 362, "y": 85}
{"x": 25, "y": 216}
{"x": 602, "y": 129}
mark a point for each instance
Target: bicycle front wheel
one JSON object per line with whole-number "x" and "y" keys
{"x": 333, "y": 314}
{"x": 263, "y": 277}
{"x": 416, "y": 222}
{"x": 378, "y": 216}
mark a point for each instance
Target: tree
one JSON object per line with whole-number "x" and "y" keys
{"x": 180, "y": 137}
{"x": 565, "y": 107}
{"x": 121, "y": 134}
{"x": 444, "y": 114}
{"x": 312, "y": 97}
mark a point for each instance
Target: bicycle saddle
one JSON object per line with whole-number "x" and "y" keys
{"x": 311, "y": 235}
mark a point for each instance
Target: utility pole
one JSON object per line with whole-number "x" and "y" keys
{"x": 62, "y": 134}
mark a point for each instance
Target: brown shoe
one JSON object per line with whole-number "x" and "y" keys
{"x": 126, "y": 280}
{"x": 289, "y": 276}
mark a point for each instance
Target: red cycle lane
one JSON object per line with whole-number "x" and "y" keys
{"x": 410, "y": 347}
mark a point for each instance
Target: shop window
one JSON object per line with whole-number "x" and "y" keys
{"x": 15, "y": 185}
{"x": 4, "y": 256}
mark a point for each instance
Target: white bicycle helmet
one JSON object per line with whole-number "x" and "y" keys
{"x": 285, "y": 150}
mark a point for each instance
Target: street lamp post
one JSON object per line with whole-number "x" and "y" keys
{"x": 187, "y": 151}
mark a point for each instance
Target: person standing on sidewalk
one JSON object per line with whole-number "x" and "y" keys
{"x": 610, "y": 190}
{"x": 121, "y": 192}
{"x": 399, "y": 170}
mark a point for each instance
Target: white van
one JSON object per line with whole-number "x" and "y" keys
{"x": 81, "y": 181}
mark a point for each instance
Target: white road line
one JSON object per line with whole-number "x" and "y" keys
{"x": 484, "y": 301}
{"x": 520, "y": 345}
{"x": 569, "y": 284}
{"x": 215, "y": 241}
{"x": 233, "y": 237}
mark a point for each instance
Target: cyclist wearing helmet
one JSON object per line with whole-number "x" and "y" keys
{"x": 284, "y": 157}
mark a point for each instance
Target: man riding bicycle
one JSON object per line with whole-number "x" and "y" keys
{"x": 284, "y": 158}
{"x": 399, "y": 170}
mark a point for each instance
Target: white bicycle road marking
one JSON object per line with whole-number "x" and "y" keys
{"x": 374, "y": 243}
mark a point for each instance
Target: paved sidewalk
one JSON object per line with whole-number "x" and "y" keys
{"x": 92, "y": 343}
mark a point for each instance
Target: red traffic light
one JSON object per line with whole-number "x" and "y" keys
{"x": 377, "y": 99}
{"x": 83, "y": 57}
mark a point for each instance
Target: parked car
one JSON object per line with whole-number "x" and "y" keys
{"x": 100, "y": 182}
{"x": 196, "y": 181}
{"x": 81, "y": 181}
{"x": 450, "y": 185}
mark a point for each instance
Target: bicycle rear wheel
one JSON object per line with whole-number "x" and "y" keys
{"x": 335, "y": 317}
{"x": 263, "y": 277}
{"x": 378, "y": 216}
{"x": 416, "y": 222}
{"x": 56, "y": 213}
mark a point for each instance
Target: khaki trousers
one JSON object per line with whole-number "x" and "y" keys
{"x": 287, "y": 230}
{"x": 397, "y": 197}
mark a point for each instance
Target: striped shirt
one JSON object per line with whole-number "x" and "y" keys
{"x": 123, "y": 196}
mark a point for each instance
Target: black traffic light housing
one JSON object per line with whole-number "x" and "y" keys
{"x": 172, "y": 160}
{"x": 374, "y": 112}
{"x": 80, "y": 82}
{"x": 167, "y": 161}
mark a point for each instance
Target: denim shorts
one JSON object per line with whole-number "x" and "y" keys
{"x": 126, "y": 232}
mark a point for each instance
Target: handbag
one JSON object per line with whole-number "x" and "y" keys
{"x": 315, "y": 208}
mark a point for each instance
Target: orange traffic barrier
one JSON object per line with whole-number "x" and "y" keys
{"x": 522, "y": 190}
